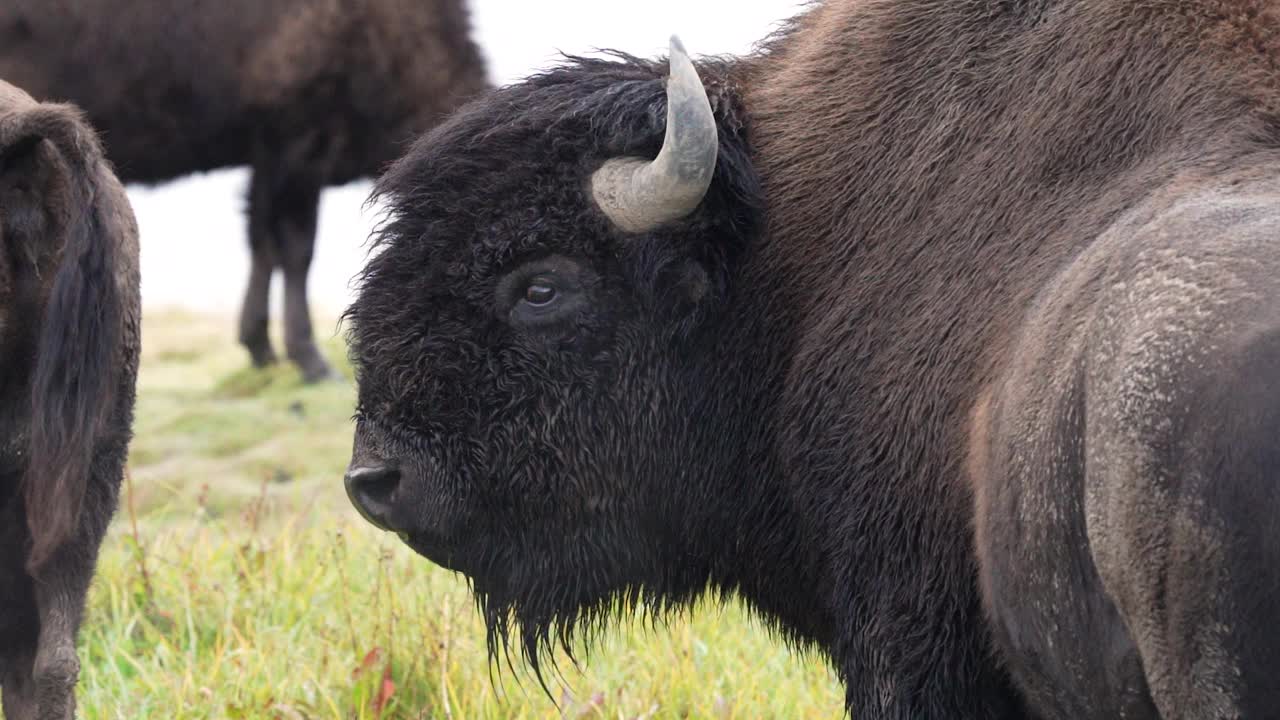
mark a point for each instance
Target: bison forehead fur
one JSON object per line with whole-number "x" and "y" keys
{"x": 69, "y": 341}
{"x": 970, "y": 301}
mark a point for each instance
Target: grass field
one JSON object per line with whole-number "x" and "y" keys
{"x": 238, "y": 583}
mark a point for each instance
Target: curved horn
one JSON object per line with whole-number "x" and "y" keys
{"x": 639, "y": 194}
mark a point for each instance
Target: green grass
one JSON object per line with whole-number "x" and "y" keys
{"x": 238, "y": 583}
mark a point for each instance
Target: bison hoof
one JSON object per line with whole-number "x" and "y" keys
{"x": 262, "y": 356}
{"x": 317, "y": 370}
{"x": 55, "y": 674}
{"x": 57, "y": 667}
{"x": 313, "y": 377}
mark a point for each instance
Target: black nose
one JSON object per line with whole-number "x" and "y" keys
{"x": 370, "y": 488}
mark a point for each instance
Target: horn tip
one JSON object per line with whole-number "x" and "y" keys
{"x": 677, "y": 46}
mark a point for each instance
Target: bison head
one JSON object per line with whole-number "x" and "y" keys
{"x": 542, "y": 342}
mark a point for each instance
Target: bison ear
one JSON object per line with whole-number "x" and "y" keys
{"x": 25, "y": 182}
{"x": 37, "y": 193}
{"x": 732, "y": 212}
{"x": 691, "y": 263}
{"x": 734, "y": 202}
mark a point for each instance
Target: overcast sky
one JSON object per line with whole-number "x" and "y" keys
{"x": 194, "y": 253}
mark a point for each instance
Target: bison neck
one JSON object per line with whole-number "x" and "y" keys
{"x": 929, "y": 166}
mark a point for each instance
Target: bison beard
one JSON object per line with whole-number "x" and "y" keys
{"x": 934, "y": 376}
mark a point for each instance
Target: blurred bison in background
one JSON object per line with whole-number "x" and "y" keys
{"x": 69, "y": 339}
{"x": 308, "y": 93}
{"x": 944, "y": 332}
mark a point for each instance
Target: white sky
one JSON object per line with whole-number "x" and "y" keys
{"x": 194, "y": 252}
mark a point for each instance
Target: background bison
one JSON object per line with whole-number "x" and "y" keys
{"x": 308, "y": 93}
{"x": 962, "y": 368}
{"x": 69, "y": 340}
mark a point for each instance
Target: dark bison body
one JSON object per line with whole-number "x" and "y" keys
{"x": 964, "y": 367}
{"x": 69, "y": 339}
{"x": 308, "y": 93}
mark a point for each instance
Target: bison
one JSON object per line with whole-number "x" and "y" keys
{"x": 308, "y": 93}
{"x": 69, "y": 339}
{"x": 946, "y": 333}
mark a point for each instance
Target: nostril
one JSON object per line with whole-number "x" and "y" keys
{"x": 378, "y": 481}
{"x": 370, "y": 488}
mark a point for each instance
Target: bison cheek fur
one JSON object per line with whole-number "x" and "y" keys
{"x": 553, "y": 463}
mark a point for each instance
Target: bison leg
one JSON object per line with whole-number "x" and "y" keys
{"x": 19, "y": 687}
{"x": 1064, "y": 642}
{"x": 1185, "y": 526}
{"x": 262, "y": 247}
{"x": 253, "y": 314}
{"x": 39, "y": 681}
{"x": 297, "y": 236}
{"x": 45, "y": 677}
{"x": 60, "y": 597}
{"x": 282, "y": 229}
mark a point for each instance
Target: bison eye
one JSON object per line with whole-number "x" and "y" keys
{"x": 539, "y": 293}
{"x": 543, "y": 295}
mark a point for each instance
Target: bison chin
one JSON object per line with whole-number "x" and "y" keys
{"x": 541, "y": 577}
{"x": 550, "y": 590}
